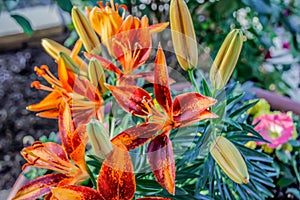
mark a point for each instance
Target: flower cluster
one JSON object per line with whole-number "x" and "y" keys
{"x": 78, "y": 99}
{"x": 275, "y": 127}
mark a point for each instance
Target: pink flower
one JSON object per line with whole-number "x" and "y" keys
{"x": 276, "y": 128}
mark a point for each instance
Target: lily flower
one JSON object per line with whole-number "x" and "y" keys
{"x": 55, "y": 157}
{"x": 83, "y": 97}
{"x": 128, "y": 40}
{"x": 186, "y": 109}
{"x": 106, "y": 20}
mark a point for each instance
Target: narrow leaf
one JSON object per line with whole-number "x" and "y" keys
{"x": 24, "y": 23}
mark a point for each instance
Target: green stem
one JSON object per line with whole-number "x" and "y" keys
{"x": 192, "y": 78}
{"x": 91, "y": 176}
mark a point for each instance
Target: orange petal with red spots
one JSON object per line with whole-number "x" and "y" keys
{"x": 192, "y": 107}
{"x": 161, "y": 85}
{"x": 116, "y": 178}
{"x": 161, "y": 159}
{"x": 66, "y": 127}
{"x": 132, "y": 99}
{"x": 75, "y": 192}
{"x": 39, "y": 187}
{"x": 136, "y": 136}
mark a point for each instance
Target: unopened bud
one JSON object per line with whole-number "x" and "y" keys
{"x": 85, "y": 32}
{"x": 99, "y": 138}
{"x": 96, "y": 74}
{"x": 226, "y": 59}
{"x": 230, "y": 160}
{"x": 71, "y": 64}
{"x": 183, "y": 35}
{"x": 53, "y": 48}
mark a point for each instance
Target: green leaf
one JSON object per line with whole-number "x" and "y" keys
{"x": 205, "y": 88}
{"x": 65, "y": 5}
{"x": 281, "y": 155}
{"x": 242, "y": 109}
{"x": 24, "y": 23}
{"x": 285, "y": 181}
{"x": 233, "y": 123}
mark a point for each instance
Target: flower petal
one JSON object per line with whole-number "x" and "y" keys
{"x": 39, "y": 187}
{"x": 192, "y": 107}
{"x": 161, "y": 159}
{"x": 66, "y": 128}
{"x": 116, "y": 178}
{"x": 161, "y": 84}
{"x": 50, "y": 102}
{"x": 47, "y": 155}
{"x": 132, "y": 99}
{"x": 155, "y": 28}
{"x": 76, "y": 192}
{"x": 104, "y": 63}
{"x": 136, "y": 136}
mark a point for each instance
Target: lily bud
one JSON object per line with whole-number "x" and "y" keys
{"x": 230, "y": 160}
{"x": 183, "y": 35}
{"x": 71, "y": 64}
{"x": 96, "y": 74}
{"x": 53, "y": 48}
{"x": 226, "y": 59}
{"x": 85, "y": 32}
{"x": 99, "y": 138}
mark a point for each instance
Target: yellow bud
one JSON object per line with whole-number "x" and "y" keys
{"x": 71, "y": 64}
{"x": 85, "y": 32}
{"x": 183, "y": 35}
{"x": 96, "y": 74}
{"x": 226, "y": 59}
{"x": 53, "y": 48}
{"x": 99, "y": 138}
{"x": 230, "y": 160}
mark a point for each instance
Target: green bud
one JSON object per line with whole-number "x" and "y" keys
{"x": 85, "y": 32}
{"x": 226, "y": 59}
{"x": 96, "y": 74}
{"x": 99, "y": 138}
{"x": 229, "y": 159}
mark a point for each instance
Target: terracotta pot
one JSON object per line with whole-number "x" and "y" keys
{"x": 278, "y": 102}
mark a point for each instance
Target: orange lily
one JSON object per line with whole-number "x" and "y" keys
{"x": 56, "y": 157}
{"x": 106, "y": 20}
{"x": 186, "y": 109}
{"x": 128, "y": 40}
{"x": 83, "y": 97}
{"x": 115, "y": 181}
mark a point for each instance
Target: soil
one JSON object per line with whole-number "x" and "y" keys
{"x": 19, "y": 127}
